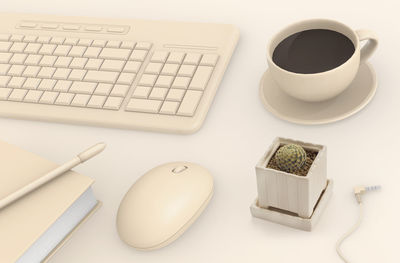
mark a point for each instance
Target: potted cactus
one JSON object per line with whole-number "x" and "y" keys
{"x": 291, "y": 177}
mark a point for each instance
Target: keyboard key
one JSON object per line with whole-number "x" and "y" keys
{"x": 16, "y": 70}
{"x": 85, "y": 42}
{"x": 83, "y": 87}
{"x": 169, "y": 107}
{"x": 77, "y": 74}
{"x": 141, "y": 92}
{"x": 158, "y": 93}
{"x": 62, "y": 50}
{"x": 28, "y": 25}
{"x": 92, "y": 52}
{"x": 4, "y": 69}
{"x": 57, "y": 40}
{"x": 49, "y": 26}
{"x": 209, "y": 60}
{"x": 47, "y": 84}
{"x": 71, "y": 41}
{"x": 143, "y": 45}
{"x": 93, "y": 28}
{"x": 16, "y": 82}
{"x": 151, "y": 106}
{"x": 113, "y": 103}
{"x": 33, "y": 96}
{"x": 154, "y": 68}
{"x": 47, "y": 49}
{"x": 128, "y": 44}
{"x": 201, "y": 77}
{"x": 132, "y": 66}
{"x": 18, "y": 47}
{"x": 115, "y": 53}
{"x": 33, "y": 60}
{"x": 30, "y": 38}
{"x": 46, "y": 72}
{"x": 77, "y": 51}
{"x": 18, "y": 59}
{"x": 62, "y": 73}
{"x": 186, "y": 70}
{"x": 126, "y": 78}
{"x": 181, "y": 83}
{"x": 80, "y": 100}
{"x": 17, "y": 94}
{"x": 148, "y": 80}
{"x": 72, "y": 28}
{"x": 31, "y": 83}
{"x": 115, "y": 29}
{"x": 175, "y": 94}
{"x": 64, "y": 98}
{"x": 5, "y": 57}
{"x": 138, "y": 55}
{"x": 62, "y": 85}
{"x": 48, "y": 97}
{"x": 119, "y": 90}
{"x": 112, "y": 65}
{"x": 103, "y": 89}
{"x": 164, "y": 81}
{"x": 99, "y": 43}
{"x": 176, "y": 57}
{"x": 170, "y": 69}
{"x": 78, "y": 63}
{"x": 189, "y": 103}
{"x": 47, "y": 61}
{"x": 62, "y": 62}
{"x": 94, "y": 63}
{"x": 101, "y": 76}
{"x": 16, "y": 38}
{"x": 192, "y": 59}
{"x": 43, "y": 39}
{"x": 159, "y": 56}
{"x": 31, "y": 71}
{"x": 5, "y": 46}
{"x": 113, "y": 43}
{"x": 4, "y": 80}
{"x": 32, "y": 48}
{"x": 4, "y": 93}
{"x": 96, "y": 101}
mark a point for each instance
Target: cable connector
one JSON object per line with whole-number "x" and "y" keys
{"x": 360, "y": 190}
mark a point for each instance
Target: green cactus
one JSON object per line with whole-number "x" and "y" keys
{"x": 290, "y": 157}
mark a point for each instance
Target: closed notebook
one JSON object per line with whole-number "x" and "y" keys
{"x": 35, "y": 226}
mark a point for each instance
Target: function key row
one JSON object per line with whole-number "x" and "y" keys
{"x": 76, "y": 41}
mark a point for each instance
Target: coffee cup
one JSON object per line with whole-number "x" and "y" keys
{"x": 308, "y": 83}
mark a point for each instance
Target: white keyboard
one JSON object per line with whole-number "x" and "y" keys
{"x": 134, "y": 74}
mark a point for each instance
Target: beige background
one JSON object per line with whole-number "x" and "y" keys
{"x": 363, "y": 149}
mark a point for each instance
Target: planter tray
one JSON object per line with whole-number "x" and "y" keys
{"x": 290, "y": 219}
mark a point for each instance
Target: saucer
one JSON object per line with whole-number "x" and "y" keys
{"x": 353, "y": 99}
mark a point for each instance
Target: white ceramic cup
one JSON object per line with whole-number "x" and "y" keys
{"x": 327, "y": 84}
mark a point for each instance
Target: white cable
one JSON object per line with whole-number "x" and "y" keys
{"x": 349, "y": 233}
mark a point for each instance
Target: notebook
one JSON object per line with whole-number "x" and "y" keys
{"x": 34, "y": 227}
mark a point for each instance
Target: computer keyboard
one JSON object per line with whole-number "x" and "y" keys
{"x": 134, "y": 74}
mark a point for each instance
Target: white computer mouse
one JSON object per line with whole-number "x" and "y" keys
{"x": 163, "y": 203}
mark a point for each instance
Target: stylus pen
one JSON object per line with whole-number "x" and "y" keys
{"x": 80, "y": 158}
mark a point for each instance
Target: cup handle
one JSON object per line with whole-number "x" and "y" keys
{"x": 370, "y": 46}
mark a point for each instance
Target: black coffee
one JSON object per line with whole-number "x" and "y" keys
{"x": 313, "y": 51}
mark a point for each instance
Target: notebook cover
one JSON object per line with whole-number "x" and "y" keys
{"x": 25, "y": 220}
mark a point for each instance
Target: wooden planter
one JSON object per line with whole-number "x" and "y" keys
{"x": 289, "y": 192}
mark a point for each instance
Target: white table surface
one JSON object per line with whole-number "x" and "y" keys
{"x": 363, "y": 149}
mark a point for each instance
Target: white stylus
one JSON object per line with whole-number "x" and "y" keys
{"x": 80, "y": 158}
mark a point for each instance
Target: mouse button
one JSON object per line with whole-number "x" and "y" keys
{"x": 179, "y": 169}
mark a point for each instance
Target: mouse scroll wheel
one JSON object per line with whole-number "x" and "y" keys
{"x": 179, "y": 169}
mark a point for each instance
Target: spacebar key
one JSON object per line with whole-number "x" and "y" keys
{"x": 151, "y": 106}
{"x": 101, "y": 76}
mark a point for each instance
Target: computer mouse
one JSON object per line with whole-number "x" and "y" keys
{"x": 163, "y": 203}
